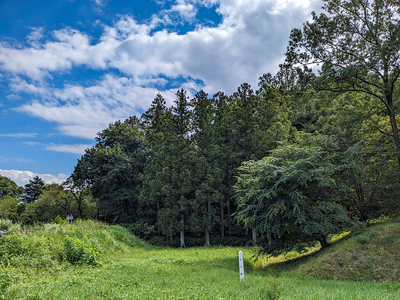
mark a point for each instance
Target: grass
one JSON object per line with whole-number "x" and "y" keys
{"x": 370, "y": 256}
{"x": 132, "y": 269}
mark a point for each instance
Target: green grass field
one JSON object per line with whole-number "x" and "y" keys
{"x": 35, "y": 266}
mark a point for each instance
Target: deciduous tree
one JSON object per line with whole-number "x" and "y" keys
{"x": 289, "y": 197}
{"x": 358, "y": 45}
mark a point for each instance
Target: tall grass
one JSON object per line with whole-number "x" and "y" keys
{"x": 132, "y": 269}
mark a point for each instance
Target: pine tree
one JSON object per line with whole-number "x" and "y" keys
{"x": 34, "y": 188}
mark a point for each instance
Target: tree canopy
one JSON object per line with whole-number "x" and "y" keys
{"x": 9, "y": 187}
{"x": 289, "y": 197}
{"x": 358, "y": 45}
{"x": 34, "y": 188}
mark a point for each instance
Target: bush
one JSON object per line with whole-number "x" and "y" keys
{"x": 5, "y": 280}
{"x": 15, "y": 227}
{"x": 8, "y": 207}
{"x": 77, "y": 251}
{"x": 36, "y": 250}
{"x": 5, "y": 224}
{"x": 59, "y": 220}
{"x": 142, "y": 230}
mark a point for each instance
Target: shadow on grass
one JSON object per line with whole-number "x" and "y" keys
{"x": 275, "y": 265}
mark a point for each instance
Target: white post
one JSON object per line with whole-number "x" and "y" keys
{"x": 241, "y": 266}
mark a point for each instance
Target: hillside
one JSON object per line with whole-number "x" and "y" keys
{"x": 370, "y": 256}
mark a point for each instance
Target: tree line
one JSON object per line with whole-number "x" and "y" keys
{"x": 305, "y": 155}
{"x": 172, "y": 170}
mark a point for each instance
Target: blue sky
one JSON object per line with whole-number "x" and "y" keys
{"x": 68, "y": 68}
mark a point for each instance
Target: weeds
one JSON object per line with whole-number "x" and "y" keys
{"x": 77, "y": 251}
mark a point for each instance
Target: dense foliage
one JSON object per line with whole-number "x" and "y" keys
{"x": 171, "y": 172}
{"x": 298, "y": 159}
{"x": 290, "y": 197}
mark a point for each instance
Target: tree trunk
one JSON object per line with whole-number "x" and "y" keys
{"x": 395, "y": 132}
{"x": 222, "y": 220}
{"x": 322, "y": 240}
{"x": 206, "y": 237}
{"x": 207, "y": 209}
{"x": 183, "y": 233}
{"x": 229, "y": 220}
{"x": 158, "y": 225}
{"x": 80, "y": 209}
{"x": 390, "y": 110}
{"x": 253, "y": 234}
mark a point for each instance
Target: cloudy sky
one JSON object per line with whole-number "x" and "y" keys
{"x": 68, "y": 68}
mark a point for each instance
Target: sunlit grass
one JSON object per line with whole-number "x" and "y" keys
{"x": 133, "y": 269}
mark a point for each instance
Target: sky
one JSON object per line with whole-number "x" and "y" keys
{"x": 69, "y": 68}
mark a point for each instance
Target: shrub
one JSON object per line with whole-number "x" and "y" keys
{"x": 77, "y": 251}
{"x": 142, "y": 230}
{"x": 5, "y": 224}
{"x": 15, "y": 227}
{"x": 59, "y": 220}
{"x": 8, "y": 207}
{"x": 34, "y": 250}
{"x": 5, "y": 280}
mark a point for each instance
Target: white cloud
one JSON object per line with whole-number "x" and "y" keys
{"x": 19, "y": 85}
{"x": 250, "y": 40}
{"x": 185, "y": 10}
{"x": 65, "y": 148}
{"x": 84, "y": 111}
{"x": 247, "y": 40}
{"x": 69, "y": 48}
{"x": 75, "y": 149}
{"x": 100, "y": 2}
{"x": 13, "y": 97}
{"x": 22, "y": 177}
{"x": 35, "y": 36}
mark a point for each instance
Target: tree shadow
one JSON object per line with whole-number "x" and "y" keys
{"x": 274, "y": 266}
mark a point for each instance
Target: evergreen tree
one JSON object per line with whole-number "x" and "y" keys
{"x": 208, "y": 175}
{"x": 170, "y": 171}
{"x": 34, "y": 188}
{"x": 157, "y": 121}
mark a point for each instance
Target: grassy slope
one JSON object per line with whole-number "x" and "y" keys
{"x": 132, "y": 269}
{"x": 372, "y": 256}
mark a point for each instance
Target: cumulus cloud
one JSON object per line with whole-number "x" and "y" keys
{"x": 250, "y": 40}
{"x": 246, "y": 41}
{"x": 68, "y": 48}
{"x": 84, "y": 111}
{"x": 22, "y": 177}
